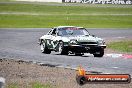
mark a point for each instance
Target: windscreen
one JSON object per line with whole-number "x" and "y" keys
{"x": 72, "y": 31}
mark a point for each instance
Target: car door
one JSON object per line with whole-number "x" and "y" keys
{"x": 50, "y": 38}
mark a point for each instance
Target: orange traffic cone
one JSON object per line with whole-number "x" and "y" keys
{"x": 81, "y": 71}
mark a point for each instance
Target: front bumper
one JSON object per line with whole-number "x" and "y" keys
{"x": 85, "y": 48}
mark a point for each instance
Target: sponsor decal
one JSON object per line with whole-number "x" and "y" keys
{"x": 128, "y": 2}
{"x": 83, "y": 77}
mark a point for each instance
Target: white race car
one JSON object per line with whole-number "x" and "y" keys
{"x": 71, "y": 39}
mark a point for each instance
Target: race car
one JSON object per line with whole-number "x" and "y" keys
{"x": 71, "y": 40}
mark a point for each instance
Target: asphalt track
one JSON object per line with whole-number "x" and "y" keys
{"x": 22, "y": 44}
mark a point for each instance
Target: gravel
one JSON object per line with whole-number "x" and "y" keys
{"x": 26, "y": 73}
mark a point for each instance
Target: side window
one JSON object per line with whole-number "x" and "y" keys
{"x": 50, "y": 32}
{"x": 54, "y": 32}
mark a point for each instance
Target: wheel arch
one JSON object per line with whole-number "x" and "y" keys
{"x": 44, "y": 41}
{"x": 60, "y": 41}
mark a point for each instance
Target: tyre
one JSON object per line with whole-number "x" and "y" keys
{"x": 44, "y": 48}
{"x": 62, "y": 50}
{"x": 81, "y": 80}
{"x": 99, "y": 53}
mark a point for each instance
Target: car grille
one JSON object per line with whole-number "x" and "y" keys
{"x": 88, "y": 43}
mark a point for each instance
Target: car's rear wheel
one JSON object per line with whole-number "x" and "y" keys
{"x": 62, "y": 50}
{"x": 99, "y": 53}
{"x": 44, "y": 48}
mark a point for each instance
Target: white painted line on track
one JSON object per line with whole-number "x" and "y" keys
{"x": 27, "y": 13}
{"x": 115, "y": 67}
{"x": 114, "y": 55}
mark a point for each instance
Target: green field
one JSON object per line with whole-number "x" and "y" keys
{"x": 39, "y": 15}
{"x": 123, "y": 46}
{"x": 29, "y": 85}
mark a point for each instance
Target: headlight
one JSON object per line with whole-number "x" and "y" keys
{"x": 73, "y": 42}
{"x": 101, "y": 42}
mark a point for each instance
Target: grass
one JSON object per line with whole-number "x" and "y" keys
{"x": 123, "y": 46}
{"x": 5, "y": 0}
{"x": 51, "y": 21}
{"x": 46, "y": 15}
{"x": 30, "y": 85}
{"x": 38, "y": 85}
{"x": 55, "y": 9}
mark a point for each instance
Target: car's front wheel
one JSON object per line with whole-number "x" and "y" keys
{"x": 62, "y": 50}
{"x": 99, "y": 53}
{"x": 44, "y": 48}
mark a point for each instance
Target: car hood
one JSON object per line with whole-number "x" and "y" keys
{"x": 88, "y": 38}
